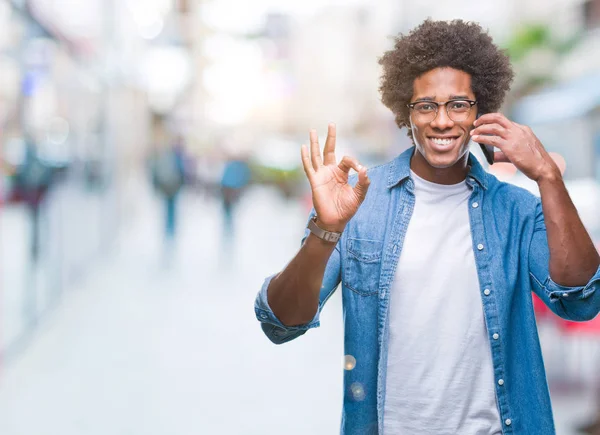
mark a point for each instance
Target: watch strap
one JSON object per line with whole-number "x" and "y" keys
{"x": 328, "y": 236}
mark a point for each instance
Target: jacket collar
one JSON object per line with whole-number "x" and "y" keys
{"x": 399, "y": 169}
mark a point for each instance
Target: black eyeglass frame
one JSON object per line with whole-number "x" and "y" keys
{"x": 443, "y": 103}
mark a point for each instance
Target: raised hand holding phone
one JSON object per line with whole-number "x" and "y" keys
{"x": 517, "y": 143}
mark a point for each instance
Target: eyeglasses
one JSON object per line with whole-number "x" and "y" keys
{"x": 426, "y": 111}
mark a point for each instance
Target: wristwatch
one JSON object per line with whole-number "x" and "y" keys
{"x": 328, "y": 236}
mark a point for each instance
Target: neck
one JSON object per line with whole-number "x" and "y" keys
{"x": 451, "y": 175}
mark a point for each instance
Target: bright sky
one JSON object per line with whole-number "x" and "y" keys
{"x": 249, "y": 15}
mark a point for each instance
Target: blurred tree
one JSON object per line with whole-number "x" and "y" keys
{"x": 535, "y": 52}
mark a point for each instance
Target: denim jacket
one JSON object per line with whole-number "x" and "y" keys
{"x": 512, "y": 258}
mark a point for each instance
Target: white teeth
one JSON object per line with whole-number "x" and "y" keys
{"x": 441, "y": 141}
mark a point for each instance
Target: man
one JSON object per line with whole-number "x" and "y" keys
{"x": 438, "y": 260}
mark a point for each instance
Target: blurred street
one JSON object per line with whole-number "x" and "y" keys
{"x": 142, "y": 347}
{"x": 151, "y": 346}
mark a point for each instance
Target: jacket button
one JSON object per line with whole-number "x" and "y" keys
{"x": 565, "y": 295}
{"x": 508, "y": 421}
{"x": 501, "y": 382}
{"x": 496, "y": 336}
{"x": 480, "y": 247}
{"x": 487, "y": 292}
{"x": 475, "y": 204}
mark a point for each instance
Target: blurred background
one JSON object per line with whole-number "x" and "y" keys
{"x": 151, "y": 180}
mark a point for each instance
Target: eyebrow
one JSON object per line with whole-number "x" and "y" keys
{"x": 452, "y": 97}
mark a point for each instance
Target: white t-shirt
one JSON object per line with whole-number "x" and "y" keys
{"x": 440, "y": 376}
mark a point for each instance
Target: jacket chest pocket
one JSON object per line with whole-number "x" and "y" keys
{"x": 363, "y": 266}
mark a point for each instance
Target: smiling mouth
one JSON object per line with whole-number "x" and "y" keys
{"x": 443, "y": 142}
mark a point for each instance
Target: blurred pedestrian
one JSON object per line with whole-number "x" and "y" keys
{"x": 438, "y": 260}
{"x": 235, "y": 179}
{"x": 32, "y": 181}
{"x": 168, "y": 176}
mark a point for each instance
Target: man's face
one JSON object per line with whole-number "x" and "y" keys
{"x": 442, "y": 142}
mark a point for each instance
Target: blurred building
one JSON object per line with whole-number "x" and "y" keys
{"x": 81, "y": 81}
{"x": 564, "y": 109}
{"x": 334, "y": 63}
{"x": 565, "y": 112}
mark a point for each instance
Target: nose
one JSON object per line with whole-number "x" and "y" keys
{"x": 442, "y": 121}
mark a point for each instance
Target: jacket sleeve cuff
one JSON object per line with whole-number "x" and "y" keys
{"x": 271, "y": 325}
{"x": 559, "y": 292}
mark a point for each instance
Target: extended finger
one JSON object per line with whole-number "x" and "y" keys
{"x": 348, "y": 163}
{"x": 329, "y": 150}
{"x": 315, "y": 152}
{"x": 491, "y": 118}
{"x": 306, "y": 164}
{"x": 361, "y": 187}
{"x": 493, "y": 129}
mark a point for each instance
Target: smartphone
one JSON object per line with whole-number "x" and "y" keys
{"x": 488, "y": 151}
